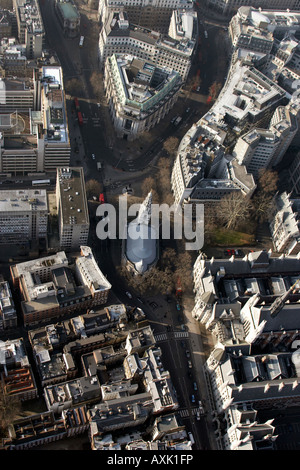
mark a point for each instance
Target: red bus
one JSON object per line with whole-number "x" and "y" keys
{"x": 76, "y": 104}
{"x": 80, "y": 120}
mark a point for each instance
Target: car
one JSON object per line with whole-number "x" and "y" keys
{"x": 198, "y": 415}
{"x": 193, "y": 398}
{"x": 182, "y": 327}
{"x": 187, "y": 353}
{"x": 93, "y": 156}
{"x": 190, "y": 364}
{"x": 187, "y": 110}
{"x": 229, "y": 252}
{"x": 128, "y": 294}
{"x": 198, "y": 89}
{"x": 98, "y": 104}
{"x": 182, "y": 342}
{"x": 195, "y": 386}
{"x": 178, "y": 306}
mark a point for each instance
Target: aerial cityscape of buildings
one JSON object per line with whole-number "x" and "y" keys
{"x": 88, "y": 348}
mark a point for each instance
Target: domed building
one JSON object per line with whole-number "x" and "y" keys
{"x": 140, "y": 248}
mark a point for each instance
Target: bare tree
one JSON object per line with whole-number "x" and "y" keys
{"x": 95, "y": 81}
{"x": 170, "y": 145}
{"x": 10, "y": 407}
{"x": 233, "y": 209}
{"x": 93, "y": 188}
{"x": 263, "y": 197}
{"x": 267, "y": 182}
{"x": 73, "y": 86}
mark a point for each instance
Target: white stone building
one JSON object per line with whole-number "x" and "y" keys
{"x": 139, "y": 94}
{"x": 284, "y": 224}
{"x": 119, "y": 36}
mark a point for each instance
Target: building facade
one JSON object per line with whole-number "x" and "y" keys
{"x": 30, "y": 27}
{"x": 119, "y": 36}
{"x": 68, "y": 17}
{"x": 139, "y": 94}
{"x": 23, "y": 216}
{"x": 50, "y": 288}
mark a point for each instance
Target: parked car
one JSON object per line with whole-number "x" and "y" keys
{"x": 190, "y": 364}
{"x": 193, "y": 398}
{"x": 128, "y": 294}
{"x": 195, "y": 386}
{"x": 93, "y": 156}
{"x": 187, "y": 352}
{"x": 198, "y": 415}
{"x": 178, "y": 306}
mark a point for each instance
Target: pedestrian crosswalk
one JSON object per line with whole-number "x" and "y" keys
{"x": 165, "y": 336}
{"x": 161, "y": 337}
{"x": 185, "y": 413}
{"x": 181, "y": 334}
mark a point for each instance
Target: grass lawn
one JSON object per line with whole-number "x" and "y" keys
{"x": 224, "y": 237}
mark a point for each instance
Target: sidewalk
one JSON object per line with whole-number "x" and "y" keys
{"x": 201, "y": 345}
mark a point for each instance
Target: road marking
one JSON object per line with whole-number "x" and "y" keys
{"x": 181, "y": 334}
{"x": 161, "y": 337}
{"x": 185, "y": 413}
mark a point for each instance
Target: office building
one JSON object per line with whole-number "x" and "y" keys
{"x": 5, "y": 23}
{"x": 51, "y": 288}
{"x": 203, "y": 173}
{"x": 139, "y": 94}
{"x": 72, "y": 209}
{"x": 34, "y": 135}
{"x": 54, "y": 139}
{"x": 284, "y": 224}
{"x": 264, "y": 148}
{"x": 119, "y": 36}
{"x": 14, "y": 61}
{"x": 8, "y": 314}
{"x": 152, "y": 15}
{"x": 23, "y": 216}
{"x": 120, "y": 413}
{"x": 63, "y": 396}
{"x": 30, "y": 27}
{"x": 229, "y": 7}
{"x": 16, "y": 375}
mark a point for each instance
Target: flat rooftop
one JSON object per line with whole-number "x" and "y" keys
{"x": 72, "y": 196}
{"x": 25, "y": 200}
